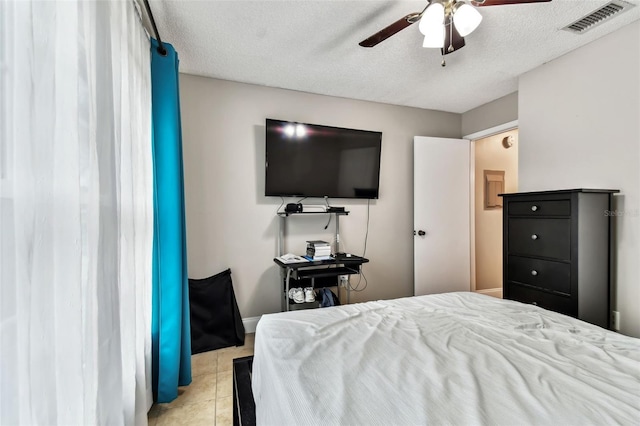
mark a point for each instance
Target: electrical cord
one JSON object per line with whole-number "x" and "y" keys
{"x": 328, "y": 222}
{"x": 280, "y": 206}
{"x": 362, "y": 275}
{"x": 357, "y": 288}
{"x": 326, "y": 201}
{"x": 366, "y": 235}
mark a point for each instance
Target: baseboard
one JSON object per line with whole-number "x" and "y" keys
{"x": 495, "y": 292}
{"x": 251, "y": 323}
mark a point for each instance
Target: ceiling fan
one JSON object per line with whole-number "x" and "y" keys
{"x": 444, "y": 23}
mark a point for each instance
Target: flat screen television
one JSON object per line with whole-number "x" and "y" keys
{"x": 309, "y": 160}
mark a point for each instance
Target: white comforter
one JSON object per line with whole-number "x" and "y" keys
{"x": 457, "y": 358}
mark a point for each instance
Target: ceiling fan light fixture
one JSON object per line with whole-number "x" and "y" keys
{"x": 435, "y": 38}
{"x": 433, "y": 16}
{"x": 466, "y": 18}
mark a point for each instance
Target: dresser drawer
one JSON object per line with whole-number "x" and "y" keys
{"x": 540, "y": 237}
{"x": 563, "y": 304}
{"x": 540, "y": 208}
{"x": 545, "y": 274}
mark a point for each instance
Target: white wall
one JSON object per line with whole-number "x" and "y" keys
{"x": 230, "y": 223}
{"x": 500, "y": 111}
{"x": 579, "y": 119}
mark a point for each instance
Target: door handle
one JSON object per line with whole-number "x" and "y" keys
{"x": 420, "y": 232}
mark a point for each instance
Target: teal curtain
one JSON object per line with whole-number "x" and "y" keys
{"x": 170, "y": 328}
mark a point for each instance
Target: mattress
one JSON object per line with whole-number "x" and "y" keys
{"x": 455, "y": 358}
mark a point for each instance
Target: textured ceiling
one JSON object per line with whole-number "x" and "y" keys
{"x": 312, "y": 46}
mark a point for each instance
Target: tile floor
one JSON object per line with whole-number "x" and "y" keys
{"x": 208, "y": 400}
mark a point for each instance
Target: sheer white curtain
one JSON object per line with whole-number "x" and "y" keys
{"x": 76, "y": 213}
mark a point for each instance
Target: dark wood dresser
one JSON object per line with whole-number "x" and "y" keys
{"x": 556, "y": 251}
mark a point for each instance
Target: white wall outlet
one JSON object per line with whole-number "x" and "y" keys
{"x": 344, "y": 280}
{"x": 615, "y": 320}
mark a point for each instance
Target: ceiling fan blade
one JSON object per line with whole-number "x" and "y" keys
{"x": 452, "y": 39}
{"x": 392, "y": 29}
{"x": 503, "y": 2}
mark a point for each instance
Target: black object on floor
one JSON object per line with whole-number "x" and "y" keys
{"x": 244, "y": 407}
{"x": 215, "y": 318}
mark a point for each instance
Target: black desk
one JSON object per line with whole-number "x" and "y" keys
{"x": 311, "y": 271}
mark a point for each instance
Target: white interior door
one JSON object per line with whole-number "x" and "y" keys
{"x": 441, "y": 215}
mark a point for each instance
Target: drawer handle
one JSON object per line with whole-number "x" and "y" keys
{"x": 534, "y": 272}
{"x": 534, "y": 237}
{"x": 534, "y": 208}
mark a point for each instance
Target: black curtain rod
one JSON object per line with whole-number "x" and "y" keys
{"x": 161, "y": 48}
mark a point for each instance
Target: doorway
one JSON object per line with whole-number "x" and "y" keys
{"x": 495, "y": 170}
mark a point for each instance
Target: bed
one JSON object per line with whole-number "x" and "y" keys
{"x": 454, "y": 358}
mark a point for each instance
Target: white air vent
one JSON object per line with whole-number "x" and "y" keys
{"x": 597, "y": 17}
